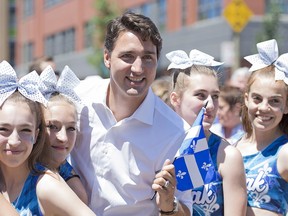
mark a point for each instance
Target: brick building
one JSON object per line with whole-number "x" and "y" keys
{"x": 62, "y": 28}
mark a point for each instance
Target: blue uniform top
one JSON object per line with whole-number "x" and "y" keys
{"x": 265, "y": 187}
{"x": 66, "y": 171}
{"x": 27, "y": 203}
{"x": 208, "y": 199}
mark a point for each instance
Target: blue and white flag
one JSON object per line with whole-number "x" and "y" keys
{"x": 193, "y": 163}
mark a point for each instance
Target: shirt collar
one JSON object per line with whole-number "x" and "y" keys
{"x": 145, "y": 111}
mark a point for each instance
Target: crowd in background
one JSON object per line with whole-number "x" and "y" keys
{"x": 106, "y": 146}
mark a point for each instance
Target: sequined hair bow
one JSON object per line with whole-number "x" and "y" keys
{"x": 180, "y": 60}
{"x": 268, "y": 55}
{"x": 64, "y": 85}
{"x": 29, "y": 85}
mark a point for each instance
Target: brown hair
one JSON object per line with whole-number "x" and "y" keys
{"x": 179, "y": 78}
{"x": 267, "y": 72}
{"x": 56, "y": 96}
{"x": 137, "y": 23}
{"x": 231, "y": 95}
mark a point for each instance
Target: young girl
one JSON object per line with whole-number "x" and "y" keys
{"x": 61, "y": 122}
{"x": 30, "y": 187}
{"x": 195, "y": 83}
{"x": 265, "y": 121}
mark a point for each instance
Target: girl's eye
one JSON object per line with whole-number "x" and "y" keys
{"x": 3, "y": 129}
{"x": 71, "y": 129}
{"x": 215, "y": 97}
{"x": 27, "y": 130}
{"x": 201, "y": 96}
{"x": 52, "y": 127}
{"x": 274, "y": 102}
{"x": 256, "y": 98}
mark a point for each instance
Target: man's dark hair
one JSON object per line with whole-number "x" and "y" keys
{"x": 137, "y": 23}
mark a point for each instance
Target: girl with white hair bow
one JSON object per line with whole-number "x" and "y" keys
{"x": 30, "y": 187}
{"x": 61, "y": 123}
{"x": 195, "y": 84}
{"x": 265, "y": 121}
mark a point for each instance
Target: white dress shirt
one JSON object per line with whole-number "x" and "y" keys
{"x": 117, "y": 161}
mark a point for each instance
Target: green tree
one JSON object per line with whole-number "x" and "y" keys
{"x": 270, "y": 23}
{"x": 105, "y": 11}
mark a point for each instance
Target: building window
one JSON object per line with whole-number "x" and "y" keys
{"x": 88, "y": 34}
{"x": 28, "y": 50}
{"x": 60, "y": 43}
{"x": 281, "y": 5}
{"x": 208, "y": 9}
{"x": 28, "y": 9}
{"x": 49, "y": 41}
{"x": 12, "y": 52}
{"x": 184, "y": 12}
{"x": 146, "y": 10}
{"x": 52, "y": 3}
{"x": 69, "y": 40}
{"x": 162, "y": 9}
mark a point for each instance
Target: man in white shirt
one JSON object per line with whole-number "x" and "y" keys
{"x": 127, "y": 136}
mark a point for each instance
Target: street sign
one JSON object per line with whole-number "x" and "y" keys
{"x": 238, "y": 14}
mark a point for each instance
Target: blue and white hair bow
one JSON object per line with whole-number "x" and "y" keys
{"x": 268, "y": 55}
{"x": 29, "y": 85}
{"x": 180, "y": 60}
{"x": 64, "y": 85}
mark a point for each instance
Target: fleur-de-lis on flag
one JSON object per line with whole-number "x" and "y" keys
{"x": 193, "y": 163}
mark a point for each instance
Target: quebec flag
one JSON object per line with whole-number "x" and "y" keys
{"x": 193, "y": 164}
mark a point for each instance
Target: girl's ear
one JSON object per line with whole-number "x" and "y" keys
{"x": 246, "y": 99}
{"x": 237, "y": 108}
{"x": 174, "y": 100}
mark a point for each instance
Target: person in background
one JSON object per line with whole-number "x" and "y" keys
{"x": 229, "y": 125}
{"x": 265, "y": 121}
{"x": 195, "y": 84}
{"x": 27, "y": 184}
{"x": 41, "y": 63}
{"x": 162, "y": 88}
{"x": 128, "y": 137}
{"x": 61, "y": 123}
{"x": 239, "y": 78}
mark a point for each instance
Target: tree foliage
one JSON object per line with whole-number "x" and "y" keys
{"x": 105, "y": 11}
{"x": 270, "y": 23}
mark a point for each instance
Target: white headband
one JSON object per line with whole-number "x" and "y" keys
{"x": 180, "y": 60}
{"x": 28, "y": 85}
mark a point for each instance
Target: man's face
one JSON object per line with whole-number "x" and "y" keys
{"x": 132, "y": 65}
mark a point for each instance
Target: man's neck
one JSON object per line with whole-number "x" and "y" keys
{"x": 121, "y": 106}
